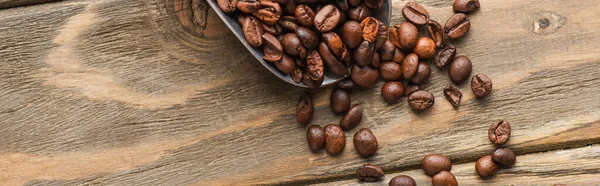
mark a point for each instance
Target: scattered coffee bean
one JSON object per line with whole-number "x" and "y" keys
{"x": 420, "y": 100}
{"x": 352, "y": 34}
{"x": 297, "y": 75}
{"x": 481, "y": 85}
{"x": 370, "y": 28}
{"x": 460, "y": 69}
{"x": 387, "y": 51}
{"x": 402, "y": 180}
{"x": 382, "y": 35}
{"x": 339, "y": 101}
{"x": 305, "y": 15}
{"x": 398, "y": 56}
{"x": 425, "y": 48}
{"x": 335, "y": 139}
{"x": 434, "y": 163}
{"x": 505, "y": 156}
{"x": 359, "y": 13}
{"x": 457, "y": 26}
{"x": 369, "y": 173}
{"x": 404, "y": 35}
{"x": 345, "y": 84}
{"x": 343, "y": 5}
{"x": 334, "y": 42}
{"x": 228, "y": 6}
{"x": 410, "y": 64}
{"x": 376, "y": 62}
{"x": 333, "y": 64}
{"x": 352, "y": 118}
{"x": 354, "y": 3}
{"x": 315, "y": 136}
{"x": 499, "y": 132}
{"x": 310, "y": 82}
{"x": 423, "y": 73}
{"x": 253, "y": 31}
{"x": 392, "y": 91}
{"x": 465, "y": 6}
{"x": 269, "y": 12}
{"x": 327, "y": 18}
{"x": 485, "y": 166}
{"x": 289, "y": 23}
{"x": 314, "y": 69}
{"x": 445, "y": 56}
{"x": 390, "y": 71}
{"x": 305, "y": 109}
{"x": 453, "y": 95}
{"x": 415, "y": 13}
{"x": 364, "y": 76}
{"x": 363, "y": 56}
{"x": 437, "y": 33}
{"x": 444, "y": 178}
{"x": 248, "y": 6}
{"x": 410, "y": 89}
{"x": 272, "y": 29}
{"x": 273, "y": 51}
{"x": 286, "y": 64}
{"x": 365, "y": 142}
{"x": 374, "y": 3}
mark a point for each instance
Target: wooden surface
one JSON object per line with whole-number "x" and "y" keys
{"x": 159, "y": 92}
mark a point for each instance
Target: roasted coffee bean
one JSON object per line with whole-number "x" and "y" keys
{"x": 339, "y": 101}
{"x": 457, "y": 26}
{"x": 465, "y": 6}
{"x": 369, "y": 173}
{"x": 272, "y": 29}
{"x": 434, "y": 163}
{"x": 314, "y": 69}
{"x": 241, "y": 18}
{"x": 354, "y": 3}
{"x": 352, "y": 118}
{"x": 404, "y": 35}
{"x": 269, "y": 12}
{"x": 304, "y": 109}
{"x": 332, "y": 62}
{"x": 410, "y": 64}
{"x": 375, "y": 4}
{"x": 300, "y": 62}
{"x": 398, "y": 56}
{"x": 410, "y": 89}
{"x": 387, "y": 51}
{"x": 315, "y": 136}
{"x": 481, "y": 85}
{"x": 312, "y": 83}
{"x": 309, "y": 38}
{"x": 392, "y": 91}
{"x": 253, "y": 31}
{"x": 415, "y": 13}
{"x": 273, "y": 51}
{"x": 307, "y": 1}
{"x": 420, "y": 100}
{"x": 289, "y": 23}
{"x": 376, "y": 61}
{"x": 445, "y": 56}
{"x": 305, "y": 15}
{"x": 370, "y": 28}
{"x": 365, "y": 142}
{"x": 402, "y": 180}
{"x": 248, "y": 6}
{"x": 327, "y": 18}
{"x": 364, "y": 76}
{"x": 343, "y": 5}
{"x": 437, "y": 33}
{"x": 345, "y": 84}
{"x": 363, "y": 56}
{"x": 423, "y": 73}
{"x": 359, "y": 13}
{"x": 228, "y": 6}
{"x": 460, "y": 69}
{"x": 505, "y": 156}
{"x": 444, "y": 178}
{"x": 352, "y": 34}
{"x": 425, "y": 48}
{"x": 485, "y": 166}
{"x": 382, "y": 35}
{"x": 286, "y": 64}
{"x": 335, "y": 44}
{"x": 297, "y": 75}
{"x": 499, "y": 132}
{"x": 390, "y": 71}
{"x": 290, "y": 7}
{"x": 291, "y": 44}
{"x": 335, "y": 139}
{"x": 453, "y": 95}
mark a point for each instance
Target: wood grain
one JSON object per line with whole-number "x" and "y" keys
{"x": 17, "y": 3}
{"x": 155, "y": 92}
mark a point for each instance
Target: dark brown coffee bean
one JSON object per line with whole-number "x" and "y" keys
{"x": 305, "y": 15}
{"x": 253, "y": 31}
{"x": 444, "y": 178}
{"x": 363, "y": 56}
{"x": 332, "y": 62}
{"x": 485, "y": 166}
{"x": 392, "y": 91}
{"x": 335, "y": 44}
{"x": 410, "y": 64}
{"x": 309, "y": 38}
{"x": 445, "y": 56}
{"x": 315, "y": 136}
{"x": 505, "y": 156}
{"x": 312, "y": 83}
{"x": 437, "y": 32}
{"x": 273, "y": 51}
{"x": 300, "y": 62}
{"x": 343, "y": 5}
{"x": 269, "y": 12}
{"x": 369, "y": 173}
{"x": 339, "y": 101}
{"x": 481, "y": 85}
{"x": 327, "y": 18}
{"x": 272, "y": 29}
{"x": 423, "y": 73}
{"x": 291, "y": 44}
{"x": 314, "y": 69}
{"x": 499, "y": 132}
{"x": 453, "y": 95}
{"x": 410, "y": 89}
{"x": 425, "y": 48}
{"x": 228, "y": 6}
{"x": 382, "y": 35}
{"x": 465, "y": 6}
{"x": 402, "y": 180}
{"x": 359, "y": 13}
{"x": 420, "y": 100}
{"x": 387, "y": 51}
{"x": 290, "y": 7}
{"x": 352, "y": 118}
{"x": 335, "y": 139}
{"x": 390, "y": 71}
{"x": 286, "y": 64}
{"x": 289, "y": 23}
{"x": 398, "y": 56}
{"x": 376, "y": 61}
{"x": 248, "y": 6}
{"x": 304, "y": 109}
{"x": 375, "y": 4}
{"x": 404, "y": 35}
{"x": 370, "y": 28}
{"x": 415, "y": 13}
{"x": 352, "y": 34}
{"x": 364, "y": 76}
{"x": 345, "y": 84}
{"x": 297, "y": 75}
{"x": 460, "y": 69}
{"x": 307, "y": 1}
{"x": 354, "y": 3}
{"x": 365, "y": 142}
{"x": 457, "y": 26}
{"x": 434, "y": 163}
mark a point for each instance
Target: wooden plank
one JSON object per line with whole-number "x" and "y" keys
{"x": 17, "y": 3}
{"x": 158, "y": 92}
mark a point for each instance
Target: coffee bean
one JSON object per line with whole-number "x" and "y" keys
{"x": 457, "y": 26}
{"x": 437, "y": 32}
{"x": 334, "y": 42}
{"x": 304, "y": 109}
{"x": 387, "y": 51}
{"x": 297, "y": 75}
{"x": 305, "y": 15}
{"x": 485, "y": 166}
{"x": 499, "y": 132}
{"x": 374, "y": 3}
{"x": 363, "y": 55}
{"x": 402, "y": 180}
{"x": 465, "y": 6}
{"x": 415, "y": 13}
{"x": 253, "y": 31}
{"x": 370, "y": 28}
{"x": 445, "y": 56}
{"x": 352, "y": 34}
{"x": 376, "y": 61}
{"x": 505, "y": 156}
{"x": 392, "y": 91}
{"x": 352, "y": 118}
{"x": 398, "y": 56}
{"x": 299, "y": 62}
{"x": 339, "y": 101}
{"x": 227, "y": 6}
{"x": 248, "y": 6}
{"x": 289, "y": 23}
{"x": 410, "y": 65}
{"x": 314, "y": 69}
{"x": 444, "y": 178}
{"x": 359, "y": 13}
{"x": 344, "y": 5}
{"x": 327, "y": 18}
{"x": 307, "y": 1}
{"x": 460, "y": 69}
{"x": 272, "y": 29}
{"x": 390, "y": 71}
{"x": 269, "y": 12}
{"x": 335, "y": 139}
{"x": 354, "y": 3}
{"x": 453, "y": 95}
{"x": 290, "y": 6}
{"x": 310, "y": 82}
{"x": 434, "y": 163}
{"x": 365, "y": 142}
{"x": 308, "y": 37}
{"x": 410, "y": 89}
{"x": 273, "y": 51}
{"x": 423, "y": 73}
{"x": 286, "y": 64}
{"x": 481, "y": 85}
{"x": 291, "y": 44}
{"x": 425, "y": 48}
{"x": 345, "y": 84}
{"x": 315, "y": 137}
{"x": 405, "y": 35}
{"x": 369, "y": 173}
{"x": 364, "y": 76}
{"x": 333, "y": 64}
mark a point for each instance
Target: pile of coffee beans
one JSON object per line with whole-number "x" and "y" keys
{"x": 499, "y": 133}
